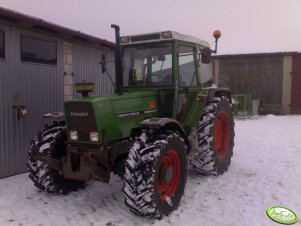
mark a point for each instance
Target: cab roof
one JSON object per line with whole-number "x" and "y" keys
{"x": 161, "y": 36}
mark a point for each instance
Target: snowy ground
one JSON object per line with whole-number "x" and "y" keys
{"x": 265, "y": 171}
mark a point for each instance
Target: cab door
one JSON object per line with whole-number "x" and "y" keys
{"x": 188, "y": 85}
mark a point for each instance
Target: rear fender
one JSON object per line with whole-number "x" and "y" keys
{"x": 218, "y": 92}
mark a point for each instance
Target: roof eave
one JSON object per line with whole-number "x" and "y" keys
{"x": 40, "y": 24}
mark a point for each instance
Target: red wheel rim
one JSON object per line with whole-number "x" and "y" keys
{"x": 222, "y": 134}
{"x": 169, "y": 173}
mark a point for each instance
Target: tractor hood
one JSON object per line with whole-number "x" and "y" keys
{"x": 112, "y": 117}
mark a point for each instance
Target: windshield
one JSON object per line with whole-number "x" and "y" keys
{"x": 147, "y": 65}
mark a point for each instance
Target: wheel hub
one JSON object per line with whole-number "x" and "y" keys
{"x": 165, "y": 174}
{"x": 169, "y": 174}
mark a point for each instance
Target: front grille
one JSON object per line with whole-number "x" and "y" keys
{"x": 80, "y": 117}
{"x": 83, "y": 135}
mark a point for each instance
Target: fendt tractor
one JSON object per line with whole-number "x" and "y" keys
{"x": 165, "y": 116}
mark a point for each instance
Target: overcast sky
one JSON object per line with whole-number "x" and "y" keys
{"x": 247, "y": 26}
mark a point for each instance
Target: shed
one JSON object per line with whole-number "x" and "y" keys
{"x": 39, "y": 63}
{"x": 272, "y": 78}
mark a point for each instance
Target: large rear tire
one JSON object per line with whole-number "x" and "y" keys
{"x": 155, "y": 174}
{"x": 215, "y": 138}
{"x": 51, "y": 142}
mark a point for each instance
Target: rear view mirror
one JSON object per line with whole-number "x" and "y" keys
{"x": 206, "y": 56}
{"x": 104, "y": 68}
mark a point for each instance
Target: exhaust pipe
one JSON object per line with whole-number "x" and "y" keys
{"x": 118, "y": 60}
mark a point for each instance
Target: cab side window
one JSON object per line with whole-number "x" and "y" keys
{"x": 206, "y": 74}
{"x": 187, "y": 70}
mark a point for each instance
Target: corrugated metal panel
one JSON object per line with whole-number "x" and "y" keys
{"x": 260, "y": 76}
{"x": 38, "y": 87}
{"x": 86, "y": 67}
{"x": 296, "y": 85}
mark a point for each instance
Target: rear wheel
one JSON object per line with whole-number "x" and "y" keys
{"x": 51, "y": 142}
{"x": 155, "y": 174}
{"x": 215, "y": 138}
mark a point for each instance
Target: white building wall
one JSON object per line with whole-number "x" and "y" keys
{"x": 68, "y": 71}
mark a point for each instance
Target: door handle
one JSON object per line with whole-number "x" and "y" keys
{"x": 21, "y": 111}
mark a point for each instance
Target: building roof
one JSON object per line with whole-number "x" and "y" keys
{"x": 247, "y": 55}
{"x": 27, "y": 21}
{"x": 164, "y": 35}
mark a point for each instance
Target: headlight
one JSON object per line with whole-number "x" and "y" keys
{"x": 94, "y": 136}
{"x": 73, "y": 135}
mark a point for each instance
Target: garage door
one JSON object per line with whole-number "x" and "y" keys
{"x": 31, "y": 80}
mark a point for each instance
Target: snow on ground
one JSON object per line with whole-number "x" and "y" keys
{"x": 265, "y": 171}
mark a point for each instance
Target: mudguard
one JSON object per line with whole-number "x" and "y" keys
{"x": 217, "y": 92}
{"x": 168, "y": 124}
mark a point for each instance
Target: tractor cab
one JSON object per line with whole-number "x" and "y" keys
{"x": 173, "y": 64}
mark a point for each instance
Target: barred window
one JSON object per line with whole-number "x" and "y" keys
{"x": 38, "y": 51}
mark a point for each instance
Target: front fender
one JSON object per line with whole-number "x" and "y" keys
{"x": 167, "y": 124}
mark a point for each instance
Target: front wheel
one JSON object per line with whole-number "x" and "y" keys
{"x": 51, "y": 142}
{"x": 155, "y": 174}
{"x": 215, "y": 138}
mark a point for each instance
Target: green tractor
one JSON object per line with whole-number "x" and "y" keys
{"x": 166, "y": 115}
